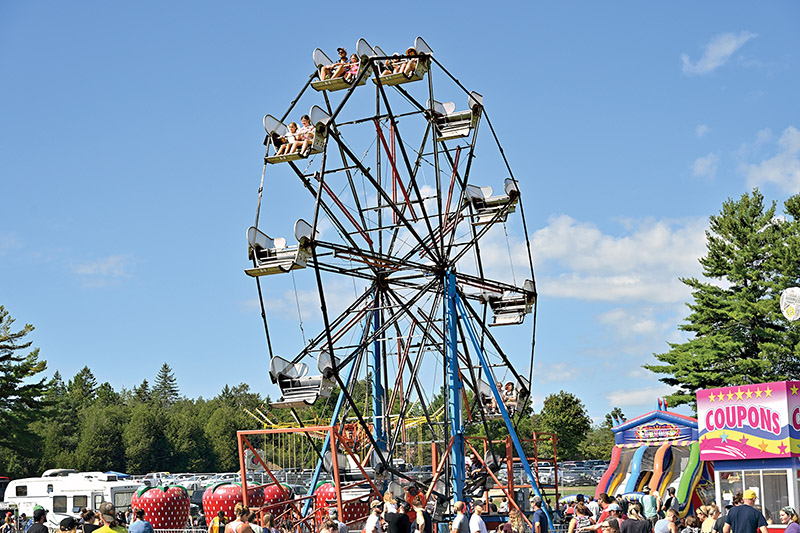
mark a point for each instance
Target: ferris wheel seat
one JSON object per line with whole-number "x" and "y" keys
{"x": 451, "y": 124}
{"x": 272, "y": 256}
{"x": 511, "y": 307}
{"x": 276, "y": 129}
{"x": 363, "y": 50}
{"x": 490, "y": 209}
{"x": 297, "y": 388}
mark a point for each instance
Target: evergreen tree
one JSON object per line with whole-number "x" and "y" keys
{"x": 21, "y": 396}
{"x": 141, "y": 394}
{"x": 738, "y": 334}
{"x": 82, "y": 389}
{"x": 165, "y": 391}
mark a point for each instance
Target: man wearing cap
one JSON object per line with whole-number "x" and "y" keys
{"x": 745, "y": 518}
{"x": 476, "y": 523}
{"x": 327, "y": 71}
{"x": 374, "y": 521}
{"x": 333, "y": 514}
{"x": 39, "y": 518}
{"x": 108, "y": 517}
{"x": 140, "y": 525}
{"x": 539, "y": 518}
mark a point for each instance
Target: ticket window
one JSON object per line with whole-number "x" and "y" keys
{"x": 774, "y": 488}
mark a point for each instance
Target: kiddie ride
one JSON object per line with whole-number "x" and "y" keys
{"x": 388, "y": 205}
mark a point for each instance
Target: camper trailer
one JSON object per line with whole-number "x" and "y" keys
{"x": 63, "y": 492}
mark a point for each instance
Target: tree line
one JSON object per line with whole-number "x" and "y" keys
{"x": 86, "y": 425}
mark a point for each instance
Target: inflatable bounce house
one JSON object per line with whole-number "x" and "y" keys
{"x": 752, "y": 433}
{"x": 657, "y": 451}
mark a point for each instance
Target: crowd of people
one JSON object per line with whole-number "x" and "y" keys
{"x": 653, "y": 515}
{"x": 105, "y": 520}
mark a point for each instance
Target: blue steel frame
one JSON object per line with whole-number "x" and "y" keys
{"x": 457, "y": 306}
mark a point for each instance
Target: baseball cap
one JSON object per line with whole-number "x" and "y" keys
{"x": 537, "y": 500}
{"x": 613, "y": 507}
{"x": 749, "y": 494}
{"x": 333, "y": 513}
{"x": 476, "y": 503}
{"x": 107, "y": 511}
{"x": 68, "y": 524}
{"x": 375, "y": 504}
{"x": 39, "y": 513}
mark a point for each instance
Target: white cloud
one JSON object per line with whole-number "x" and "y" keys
{"x": 705, "y": 167}
{"x": 104, "y": 271}
{"x": 632, "y": 322}
{"x": 642, "y": 265}
{"x": 701, "y": 130}
{"x": 637, "y": 397}
{"x": 783, "y": 169}
{"x": 717, "y": 52}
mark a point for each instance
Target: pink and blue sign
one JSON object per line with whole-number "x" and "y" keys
{"x": 750, "y": 421}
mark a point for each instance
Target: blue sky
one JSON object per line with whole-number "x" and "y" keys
{"x": 131, "y": 157}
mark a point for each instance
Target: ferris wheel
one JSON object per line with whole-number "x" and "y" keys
{"x": 425, "y": 217}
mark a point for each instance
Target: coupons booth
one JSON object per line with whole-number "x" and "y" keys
{"x": 752, "y": 433}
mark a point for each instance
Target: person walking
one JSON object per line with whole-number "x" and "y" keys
{"x": 539, "y": 518}
{"x": 476, "y": 523}
{"x": 745, "y": 518}
{"x": 460, "y": 523}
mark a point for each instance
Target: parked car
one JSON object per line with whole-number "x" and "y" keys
{"x": 575, "y": 477}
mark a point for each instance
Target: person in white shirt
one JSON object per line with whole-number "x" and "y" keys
{"x": 374, "y": 520}
{"x": 476, "y": 523}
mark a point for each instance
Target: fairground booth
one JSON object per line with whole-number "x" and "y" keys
{"x": 657, "y": 451}
{"x": 752, "y": 433}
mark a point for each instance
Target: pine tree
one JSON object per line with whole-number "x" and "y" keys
{"x": 165, "y": 390}
{"x": 738, "y": 334}
{"x": 21, "y": 398}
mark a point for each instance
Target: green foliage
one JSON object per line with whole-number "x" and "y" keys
{"x": 738, "y": 334}
{"x": 165, "y": 391}
{"x": 565, "y": 415}
{"x": 21, "y": 395}
{"x": 146, "y": 446}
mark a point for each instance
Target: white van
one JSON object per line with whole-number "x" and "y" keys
{"x": 63, "y": 492}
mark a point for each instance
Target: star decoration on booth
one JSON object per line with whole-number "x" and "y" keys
{"x": 739, "y": 394}
{"x": 768, "y": 392}
{"x": 720, "y": 396}
{"x": 748, "y": 394}
{"x": 723, "y": 438}
{"x": 794, "y": 390}
{"x": 763, "y": 446}
{"x": 730, "y": 396}
{"x": 758, "y": 392}
{"x": 711, "y": 397}
{"x": 782, "y": 448}
{"x": 743, "y": 440}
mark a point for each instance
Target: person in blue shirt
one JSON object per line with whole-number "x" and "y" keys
{"x": 539, "y": 519}
{"x": 140, "y": 525}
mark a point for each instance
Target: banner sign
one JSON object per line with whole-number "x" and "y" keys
{"x": 759, "y": 421}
